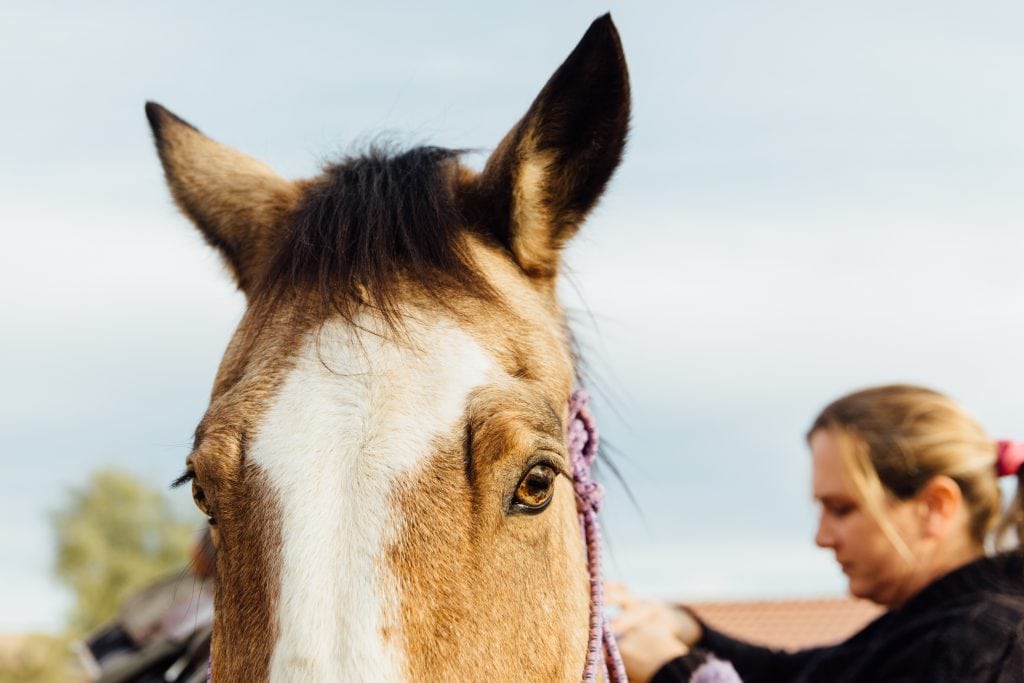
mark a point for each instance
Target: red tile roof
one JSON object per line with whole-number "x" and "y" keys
{"x": 789, "y": 624}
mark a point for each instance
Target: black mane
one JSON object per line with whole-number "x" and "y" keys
{"x": 372, "y": 222}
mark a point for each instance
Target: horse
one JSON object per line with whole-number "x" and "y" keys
{"x": 384, "y": 461}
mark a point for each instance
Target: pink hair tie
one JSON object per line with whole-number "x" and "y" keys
{"x": 1010, "y": 457}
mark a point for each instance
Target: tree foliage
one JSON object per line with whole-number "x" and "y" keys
{"x": 114, "y": 536}
{"x": 37, "y": 658}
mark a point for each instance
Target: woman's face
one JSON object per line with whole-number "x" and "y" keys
{"x": 875, "y": 568}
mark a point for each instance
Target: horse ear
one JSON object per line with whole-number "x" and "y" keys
{"x": 552, "y": 167}
{"x": 236, "y": 201}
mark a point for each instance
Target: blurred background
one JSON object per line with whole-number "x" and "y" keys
{"x": 816, "y": 197}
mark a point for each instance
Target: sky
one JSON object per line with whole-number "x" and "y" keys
{"x": 815, "y": 197}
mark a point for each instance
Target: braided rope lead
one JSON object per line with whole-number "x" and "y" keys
{"x": 589, "y": 494}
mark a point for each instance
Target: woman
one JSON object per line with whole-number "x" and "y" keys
{"x": 907, "y": 484}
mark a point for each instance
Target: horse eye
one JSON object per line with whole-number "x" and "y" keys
{"x": 199, "y": 496}
{"x": 535, "y": 489}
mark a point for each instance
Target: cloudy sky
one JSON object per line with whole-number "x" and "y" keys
{"x": 816, "y": 197}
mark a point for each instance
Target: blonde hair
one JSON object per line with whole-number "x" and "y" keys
{"x": 896, "y": 438}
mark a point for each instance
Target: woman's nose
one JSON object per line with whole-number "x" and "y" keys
{"x": 824, "y": 537}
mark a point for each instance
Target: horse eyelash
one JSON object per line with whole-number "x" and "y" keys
{"x": 186, "y": 476}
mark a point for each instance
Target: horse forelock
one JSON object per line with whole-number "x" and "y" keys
{"x": 373, "y": 224}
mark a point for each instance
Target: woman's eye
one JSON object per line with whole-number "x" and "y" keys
{"x": 535, "y": 489}
{"x": 841, "y": 511}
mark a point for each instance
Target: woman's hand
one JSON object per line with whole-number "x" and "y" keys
{"x": 646, "y": 647}
{"x": 650, "y": 634}
{"x": 683, "y": 625}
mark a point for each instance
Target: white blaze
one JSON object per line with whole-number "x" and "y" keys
{"x": 332, "y": 444}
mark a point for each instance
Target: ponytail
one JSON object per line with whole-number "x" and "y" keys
{"x": 1010, "y": 462}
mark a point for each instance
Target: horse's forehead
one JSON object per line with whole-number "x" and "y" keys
{"x": 359, "y": 381}
{"x": 362, "y": 367}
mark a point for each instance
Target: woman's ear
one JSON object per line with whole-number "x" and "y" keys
{"x": 942, "y": 505}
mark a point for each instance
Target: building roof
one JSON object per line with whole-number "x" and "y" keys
{"x": 789, "y": 624}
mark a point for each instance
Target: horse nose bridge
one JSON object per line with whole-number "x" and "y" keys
{"x": 338, "y": 605}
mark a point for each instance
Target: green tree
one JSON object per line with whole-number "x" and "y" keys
{"x": 114, "y": 536}
{"x": 37, "y": 658}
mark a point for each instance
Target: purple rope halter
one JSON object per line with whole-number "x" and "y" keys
{"x": 589, "y": 494}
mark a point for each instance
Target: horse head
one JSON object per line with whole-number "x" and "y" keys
{"x": 384, "y": 459}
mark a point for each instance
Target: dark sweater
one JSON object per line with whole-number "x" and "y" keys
{"x": 964, "y": 627}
